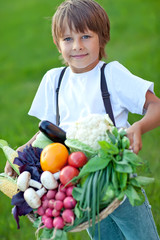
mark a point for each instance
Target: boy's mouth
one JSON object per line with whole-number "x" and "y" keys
{"x": 79, "y": 56}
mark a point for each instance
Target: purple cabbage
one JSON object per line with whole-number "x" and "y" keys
{"x": 28, "y": 160}
{"x": 21, "y": 208}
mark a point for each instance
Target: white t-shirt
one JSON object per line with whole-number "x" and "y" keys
{"x": 80, "y": 94}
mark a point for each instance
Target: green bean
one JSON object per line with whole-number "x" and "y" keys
{"x": 94, "y": 191}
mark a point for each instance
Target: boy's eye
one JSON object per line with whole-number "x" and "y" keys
{"x": 86, "y": 36}
{"x": 67, "y": 39}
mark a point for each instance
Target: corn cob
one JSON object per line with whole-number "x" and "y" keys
{"x": 10, "y": 154}
{"x": 8, "y": 185}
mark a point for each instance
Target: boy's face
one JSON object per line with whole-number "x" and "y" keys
{"x": 79, "y": 50}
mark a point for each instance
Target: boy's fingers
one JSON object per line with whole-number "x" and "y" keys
{"x": 8, "y": 169}
{"x": 137, "y": 144}
{"x": 130, "y": 136}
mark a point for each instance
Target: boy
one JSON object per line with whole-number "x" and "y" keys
{"x": 80, "y": 30}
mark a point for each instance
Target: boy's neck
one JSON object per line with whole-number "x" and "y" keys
{"x": 84, "y": 69}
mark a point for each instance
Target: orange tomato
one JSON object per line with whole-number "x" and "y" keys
{"x": 54, "y": 157}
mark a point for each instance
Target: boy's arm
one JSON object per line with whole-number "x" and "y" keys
{"x": 8, "y": 169}
{"x": 150, "y": 121}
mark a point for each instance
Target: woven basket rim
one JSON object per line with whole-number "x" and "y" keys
{"x": 103, "y": 214}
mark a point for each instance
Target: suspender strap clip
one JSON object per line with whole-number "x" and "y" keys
{"x": 105, "y": 95}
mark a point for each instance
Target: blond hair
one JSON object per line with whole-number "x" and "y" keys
{"x": 82, "y": 15}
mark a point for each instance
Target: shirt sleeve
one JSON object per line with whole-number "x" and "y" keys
{"x": 130, "y": 89}
{"x": 43, "y": 106}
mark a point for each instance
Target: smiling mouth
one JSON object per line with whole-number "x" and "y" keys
{"x": 78, "y": 56}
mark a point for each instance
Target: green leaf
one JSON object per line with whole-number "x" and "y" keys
{"x": 131, "y": 157}
{"x": 94, "y": 164}
{"x": 83, "y": 180}
{"x": 10, "y": 155}
{"x": 115, "y": 131}
{"x": 123, "y": 167}
{"x": 111, "y": 137}
{"x": 141, "y": 181}
{"x": 125, "y": 142}
{"x": 135, "y": 197}
{"x": 118, "y": 158}
{"x": 141, "y": 199}
{"x": 109, "y": 194}
{"x": 41, "y": 141}
{"x": 122, "y": 132}
{"x": 78, "y": 212}
{"x": 37, "y": 222}
{"x": 46, "y": 234}
{"x": 76, "y": 145}
{"x": 3, "y": 143}
{"x": 123, "y": 180}
{"x": 109, "y": 148}
{"x": 77, "y": 193}
{"x": 49, "y": 233}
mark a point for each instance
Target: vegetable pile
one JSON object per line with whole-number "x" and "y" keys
{"x": 63, "y": 186}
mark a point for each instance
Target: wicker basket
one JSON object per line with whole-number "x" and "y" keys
{"x": 103, "y": 214}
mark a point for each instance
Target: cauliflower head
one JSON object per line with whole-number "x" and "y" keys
{"x": 90, "y": 129}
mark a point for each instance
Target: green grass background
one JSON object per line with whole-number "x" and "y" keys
{"x": 27, "y": 52}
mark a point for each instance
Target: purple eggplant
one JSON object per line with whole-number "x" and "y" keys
{"x": 53, "y": 132}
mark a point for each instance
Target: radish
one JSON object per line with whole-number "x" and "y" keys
{"x": 48, "y": 222}
{"x": 68, "y": 216}
{"x": 44, "y": 217}
{"x": 58, "y": 223}
{"x": 58, "y": 205}
{"x": 55, "y": 213}
{"x": 69, "y": 191}
{"x": 40, "y": 211}
{"x": 45, "y": 204}
{"x": 44, "y": 197}
{"x": 51, "y": 194}
{"x": 60, "y": 196}
{"x": 69, "y": 202}
{"x": 62, "y": 188}
{"x": 48, "y": 212}
{"x": 51, "y": 203}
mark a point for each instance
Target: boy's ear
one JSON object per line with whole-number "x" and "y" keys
{"x": 57, "y": 46}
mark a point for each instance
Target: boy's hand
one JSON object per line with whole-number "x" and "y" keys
{"x": 134, "y": 134}
{"x": 150, "y": 121}
{"x": 9, "y": 170}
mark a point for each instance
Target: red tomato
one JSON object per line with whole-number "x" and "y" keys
{"x": 77, "y": 159}
{"x": 67, "y": 173}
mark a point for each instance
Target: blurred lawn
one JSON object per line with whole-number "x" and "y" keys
{"x": 27, "y": 52}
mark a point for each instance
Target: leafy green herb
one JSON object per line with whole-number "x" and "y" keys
{"x": 130, "y": 157}
{"x": 134, "y": 195}
{"x": 122, "y": 180}
{"x": 141, "y": 181}
{"x": 125, "y": 143}
{"x": 94, "y": 164}
{"x": 109, "y": 148}
{"x": 123, "y": 167}
{"x": 55, "y": 234}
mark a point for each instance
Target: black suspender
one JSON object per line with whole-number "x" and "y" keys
{"x": 104, "y": 91}
{"x": 57, "y": 93}
{"x": 106, "y": 95}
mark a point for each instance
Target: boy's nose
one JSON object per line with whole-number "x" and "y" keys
{"x": 77, "y": 45}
